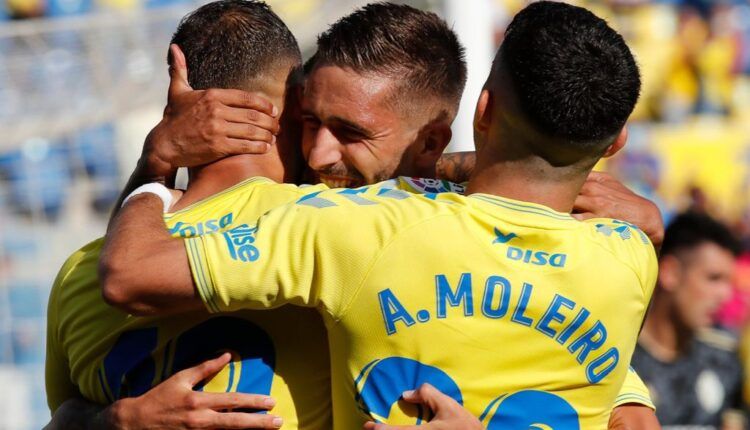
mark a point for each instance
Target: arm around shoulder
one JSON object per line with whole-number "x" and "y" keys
{"x": 142, "y": 269}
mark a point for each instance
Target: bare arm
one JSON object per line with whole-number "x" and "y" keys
{"x": 633, "y": 417}
{"x": 201, "y": 126}
{"x": 142, "y": 269}
{"x": 456, "y": 166}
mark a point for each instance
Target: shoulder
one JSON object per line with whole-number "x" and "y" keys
{"x": 376, "y": 201}
{"x": 423, "y": 185}
{"x": 82, "y": 261}
{"x": 718, "y": 341}
{"x": 626, "y": 242}
{"x": 80, "y": 269}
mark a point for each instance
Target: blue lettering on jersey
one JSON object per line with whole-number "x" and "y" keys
{"x": 490, "y": 288}
{"x": 445, "y": 295}
{"x": 500, "y": 237}
{"x": 593, "y": 339}
{"x": 537, "y": 258}
{"x": 528, "y": 256}
{"x": 202, "y": 227}
{"x": 393, "y": 311}
{"x": 602, "y": 365}
{"x": 240, "y": 243}
{"x": 553, "y": 315}
{"x": 561, "y": 320}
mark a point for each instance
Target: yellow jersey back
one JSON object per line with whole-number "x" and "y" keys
{"x": 524, "y": 315}
{"x": 105, "y": 354}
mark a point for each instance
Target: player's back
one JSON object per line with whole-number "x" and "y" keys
{"x": 525, "y": 315}
{"x": 106, "y": 354}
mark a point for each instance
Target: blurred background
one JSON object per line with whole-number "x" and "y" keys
{"x": 82, "y": 82}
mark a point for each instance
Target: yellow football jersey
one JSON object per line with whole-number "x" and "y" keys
{"x": 634, "y": 391}
{"x": 522, "y": 314}
{"x": 102, "y": 354}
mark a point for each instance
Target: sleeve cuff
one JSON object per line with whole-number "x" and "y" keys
{"x": 639, "y": 399}
{"x": 201, "y": 274}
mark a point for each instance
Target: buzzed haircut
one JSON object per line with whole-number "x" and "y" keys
{"x": 574, "y": 77}
{"x": 690, "y": 230}
{"x": 415, "y": 47}
{"x": 228, "y": 43}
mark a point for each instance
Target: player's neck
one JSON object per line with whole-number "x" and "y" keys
{"x": 521, "y": 180}
{"x": 210, "y": 179}
{"x": 662, "y": 335}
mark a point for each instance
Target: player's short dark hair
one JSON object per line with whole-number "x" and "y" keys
{"x": 413, "y": 46}
{"x": 574, "y": 77}
{"x": 230, "y": 42}
{"x": 690, "y": 230}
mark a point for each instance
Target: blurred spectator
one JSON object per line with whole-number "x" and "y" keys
{"x": 692, "y": 371}
{"x": 24, "y": 9}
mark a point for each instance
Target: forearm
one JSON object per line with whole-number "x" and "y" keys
{"x": 456, "y": 166}
{"x": 143, "y": 270}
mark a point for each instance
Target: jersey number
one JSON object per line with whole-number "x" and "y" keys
{"x": 381, "y": 382}
{"x": 129, "y": 369}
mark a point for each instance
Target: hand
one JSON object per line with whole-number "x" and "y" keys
{"x": 202, "y": 126}
{"x": 603, "y": 196}
{"x": 449, "y": 415}
{"x": 174, "y": 405}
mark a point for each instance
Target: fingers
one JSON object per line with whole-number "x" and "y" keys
{"x": 582, "y": 216}
{"x": 605, "y": 181}
{"x": 234, "y": 401}
{"x": 429, "y": 396}
{"x": 243, "y": 99}
{"x": 241, "y": 146}
{"x": 248, "y": 132}
{"x": 242, "y": 420}
{"x": 178, "y": 73}
{"x": 607, "y": 188}
{"x": 250, "y": 116}
{"x": 370, "y": 425}
{"x": 205, "y": 370}
{"x": 588, "y": 204}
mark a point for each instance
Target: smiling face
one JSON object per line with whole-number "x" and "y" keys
{"x": 353, "y": 132}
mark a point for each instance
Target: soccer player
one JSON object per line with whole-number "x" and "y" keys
{"x": 104, "y": 355}
{"x": 402, "y": 299}
{"x": 692, "y": 370}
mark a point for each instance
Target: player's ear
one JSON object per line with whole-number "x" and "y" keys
{"x": 483, "y": 117}
{"x": 618, "y": 144}
{"x": 435, "y": 138}
{"x": 669, "y": 272}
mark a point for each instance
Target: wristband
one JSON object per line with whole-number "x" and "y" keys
{"x": 153, "y": 188}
